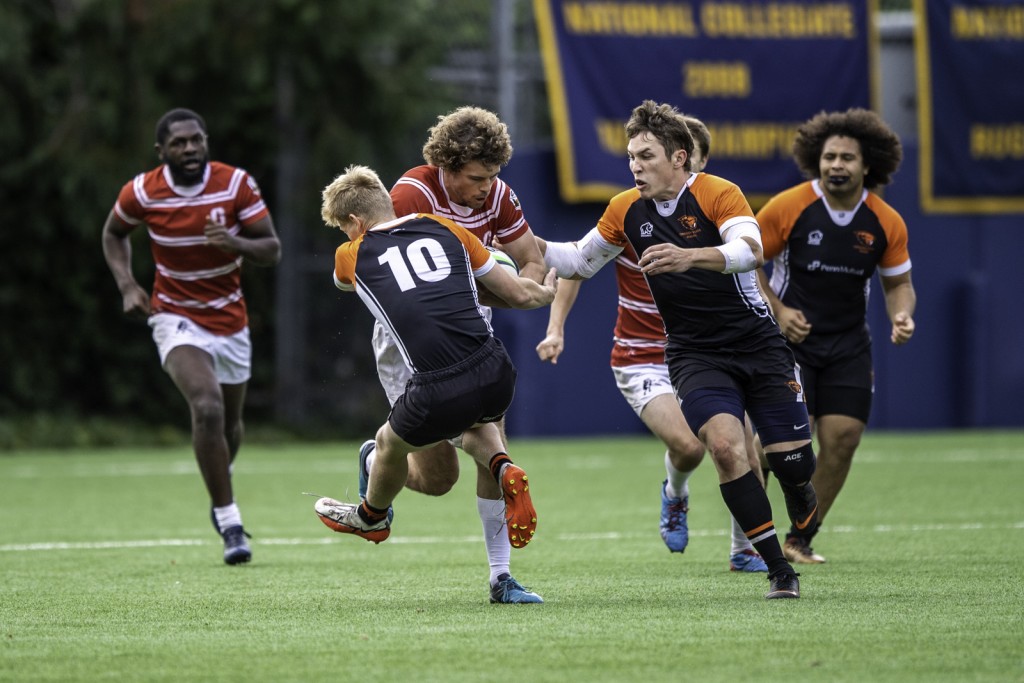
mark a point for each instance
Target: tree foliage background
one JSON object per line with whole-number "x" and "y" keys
{"x": 291, "y": 90}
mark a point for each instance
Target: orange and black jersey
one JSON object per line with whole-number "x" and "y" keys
{"x": 416, "y": 275}
{"x": 701, "y": 309}
{"x": 823, "y": 260}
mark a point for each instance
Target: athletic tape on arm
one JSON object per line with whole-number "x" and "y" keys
{"x": 583, "y": 258}
{"x": 739, "y": 256}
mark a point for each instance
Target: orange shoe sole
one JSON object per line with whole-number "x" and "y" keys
{"x": 520, "y": 515}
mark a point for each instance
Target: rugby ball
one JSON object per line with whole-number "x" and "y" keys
{"x": 505, "y": 260}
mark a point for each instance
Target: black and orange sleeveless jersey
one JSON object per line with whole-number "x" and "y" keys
{"x": 416, "y": 275}
{"x": 701, "y": 309}
{"x": 823, "y": 260}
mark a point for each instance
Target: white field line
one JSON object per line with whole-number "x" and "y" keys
{"x": 447, "y": 540}
{"x": 342, "y": 465}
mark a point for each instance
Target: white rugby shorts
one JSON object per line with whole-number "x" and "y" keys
{"x": 232, "y": 354}
{"x": 640, "y": 384}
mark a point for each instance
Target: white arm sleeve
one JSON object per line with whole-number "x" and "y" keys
{"x": 583, "y": 258}
{"x": 739, "y": 257}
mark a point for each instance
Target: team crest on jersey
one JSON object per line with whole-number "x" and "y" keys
{"x": 252, "y": 184}
{"x": 690, "y": 229}
{"x": 647, "y": 229}
{"x": 814, "y": 239}
{"x": 865, "y": 241}
{"x": 514, "y": 199}
{"x": 794, "y": 386}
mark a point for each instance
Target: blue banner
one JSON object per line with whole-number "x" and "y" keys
{"x": 752, "y": 71}
{"x": 970, "y": 62}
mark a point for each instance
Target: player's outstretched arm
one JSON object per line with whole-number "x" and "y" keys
{"x": 527, "y": 254}
{"x": 553, "y": 343}
{"x": 520, "y": 292}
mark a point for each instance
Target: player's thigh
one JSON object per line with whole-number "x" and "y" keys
{"x": 192, "y": 371}
{"x": 664, "y": 418}
{"x": 845, "y": 387}
{"x": 440, "y": 458}
{"x": 839, "y": 434}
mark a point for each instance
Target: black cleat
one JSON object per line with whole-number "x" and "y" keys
{"x": 783, "y": 585}
{"x": 236, "y": 547}
{"x": 802, "y": 506}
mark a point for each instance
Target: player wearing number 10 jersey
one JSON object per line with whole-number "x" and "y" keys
{"x": 464, "y": 152}
{"x": 417, "y": 274}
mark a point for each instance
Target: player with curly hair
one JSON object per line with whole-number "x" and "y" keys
{"x": 826, "y": 237}
{"x": 464, "y": 152}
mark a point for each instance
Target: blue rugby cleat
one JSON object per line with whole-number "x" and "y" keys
{"x": 508, "y": 591}
{"x": 673, "y": 521}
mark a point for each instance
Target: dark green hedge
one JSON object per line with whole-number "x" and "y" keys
{"x": 83, "y": 83}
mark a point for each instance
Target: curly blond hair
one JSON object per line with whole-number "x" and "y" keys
{"x": 468, "y": 134}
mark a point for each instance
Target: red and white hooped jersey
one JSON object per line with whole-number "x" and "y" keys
{"x": 421, "y": 190}
{"x": 639, "y": 329}
{"x": 193, "y": 279}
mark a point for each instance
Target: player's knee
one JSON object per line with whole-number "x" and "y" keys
{"x": 207, "y": 412}
{"x": 842, "y": 442}
{"x": 430, "y": 487}
{"x": 433, "y": 472}
{"x": 793, "y": 466}
{"x": 685, "y": 451}
{"x": 432, "y": 482}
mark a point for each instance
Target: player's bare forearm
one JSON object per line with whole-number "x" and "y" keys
{"x": 262, "y": 251}
{"x": 669, "y": 258}
{"x": 534, "y": 271}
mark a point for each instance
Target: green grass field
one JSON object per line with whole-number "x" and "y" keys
{"x": 110, "y": 571}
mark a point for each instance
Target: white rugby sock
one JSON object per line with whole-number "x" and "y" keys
{"x": 370, "y": 458}
{"x": 676, "y": 486}
{"x": 227, "y": 516}
{"x": 740, "y": 542}
{"x": 492, "y": 517}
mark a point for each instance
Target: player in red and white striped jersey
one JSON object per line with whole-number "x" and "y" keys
{"x": 204, "y": 218}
